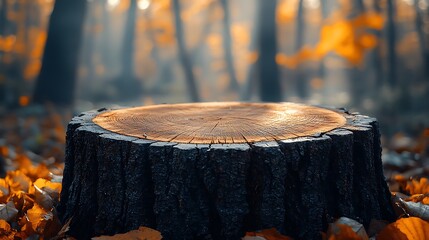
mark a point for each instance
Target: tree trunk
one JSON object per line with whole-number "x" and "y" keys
{"x": 57, "y": 78}
{"x": 357, "y": 83}
{"x": 324, "y": 10}
{"x": 127, "y": 84}
{"x": 216, "y": 170}
{"x": 300, "y": 76}
{"x": 269, "y": 79}
{"x": 183, "y": 53}
{"x": 376, "y": 55}
{"x": 227, "y": 46}
{"x": 391, "y": 44}
{"x": 3, "y": 33}
{"x": 422, "y": 39}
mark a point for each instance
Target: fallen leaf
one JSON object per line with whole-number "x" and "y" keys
{"x": 418, "y": 187}
{"x": 62, "y": 234}
{"x": 8, "y": 212}
{"x": 253, "y": 238}
{"x": 51, "y": 188}
{"x": 4, "y": 190}
{"x": 423, "y": 198}
{"x": 342, "y": 231}
{"x": 268, "y": 234}
{"x": 405, "y": 229}
{"x": 43, "y": 199}
{"x": 375, "y": 226}
{"x": 39, "y": 218}
{"x": 6, "y": 232}
{"x": 416, "y": 209}
{"x": 25, "y": 165}
{"x": 357, "y": 227}
{"x": 18, "y": 181}
{"x": 143, "y": 233}
{"x": 22, "y": 200}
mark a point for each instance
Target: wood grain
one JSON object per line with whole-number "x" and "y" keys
{"x": 226, "y": 122}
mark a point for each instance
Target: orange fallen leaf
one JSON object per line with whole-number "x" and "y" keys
{"x": 405, "y": 229}
{"x": 423, "y": 198}
{"x": 342, "y": 231}
{"x": 6, "y": 232}
{"x": 18, "y": 181}
{"x": 22, "y": 200}
{"x": 39, "y": 219}
{"x": 26, "y": 166}
{"x": 52, "y": 188}
{"x": 268, "y": 234}
{"x": 142, "y": 233}
{"x": 4, "y": 191}
{"x": 337, "y": 230}
{"x": 418, "y": 187}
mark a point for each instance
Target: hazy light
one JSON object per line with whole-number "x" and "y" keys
{"x": 112, "y": 3}
{"x": 143, "y": 4}
{"x": 312, "y": 4}
{"x": 409, "y": 2}
{"x": 422, "y": 5}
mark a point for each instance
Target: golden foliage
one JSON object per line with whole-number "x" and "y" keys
{"x": 405, "y": 229}
{"x": 286, "y": 11}
{"x": 345, "y": 37}
{"x": 7, "y": 43}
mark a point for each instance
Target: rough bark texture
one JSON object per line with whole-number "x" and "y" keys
{"x": 115, "y": 183}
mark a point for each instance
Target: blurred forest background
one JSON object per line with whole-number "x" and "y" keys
{"x": 371, "y": 56}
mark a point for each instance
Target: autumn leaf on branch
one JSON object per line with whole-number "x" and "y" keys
{"x": 345, "y": 37}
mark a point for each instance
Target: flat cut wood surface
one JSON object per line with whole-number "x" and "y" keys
{"x": 220, "y": 122}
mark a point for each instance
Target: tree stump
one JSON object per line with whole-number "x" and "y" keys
{"x": 216, "y": 170}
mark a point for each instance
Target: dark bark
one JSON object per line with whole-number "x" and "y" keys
{"x": 183, "y": 53}
{"x": 57, "y": 78}
{"x": 269, "y": 78}
{"x": 227, "y": 46}
{"x": 300, "y": 78}
{"x": 114, "y": 183}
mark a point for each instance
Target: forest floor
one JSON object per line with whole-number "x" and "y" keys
{"x": 32, "y": 142}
